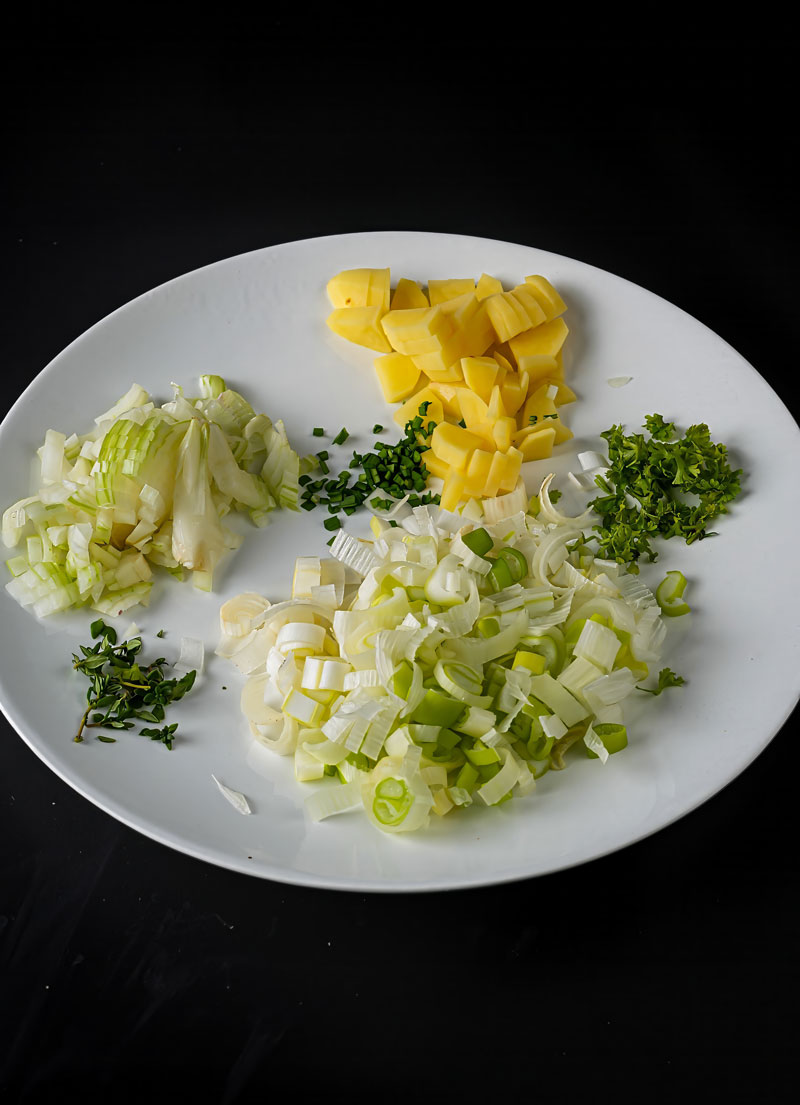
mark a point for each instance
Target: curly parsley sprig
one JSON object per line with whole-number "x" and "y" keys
{"x": 122, "y": 690}
{"x": 660, "y": 486}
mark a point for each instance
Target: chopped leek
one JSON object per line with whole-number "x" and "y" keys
{"x": 443, "y": 663}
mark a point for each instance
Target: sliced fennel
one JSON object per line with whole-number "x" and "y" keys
{"x": 422, "y": 688}
{"x": 147, "y": 486}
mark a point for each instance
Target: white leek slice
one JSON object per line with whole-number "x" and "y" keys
{"x": 559, "y": 699}
{"x": 330, "y": 800}
{"x": 498, "y": 786}
{"x": 353, "y": 553}
{"x": 241, "y": 614}
{"x": 598, "y": 644}
{"x": 504, "y": 506}
{"x": 594, "y": 744}
{"x": 608, "y": 690}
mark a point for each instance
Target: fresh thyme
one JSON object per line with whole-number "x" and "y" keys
{"x": 123, "y": 691}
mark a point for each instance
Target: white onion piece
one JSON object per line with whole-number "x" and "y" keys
{"x": 235, "y": 797}
{"x": 549, "y": 512}
{"x": 192, "y": 655}
{"x": 241, "y": 614}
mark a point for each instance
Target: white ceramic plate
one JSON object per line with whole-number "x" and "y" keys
{"x": 259, "y": 320}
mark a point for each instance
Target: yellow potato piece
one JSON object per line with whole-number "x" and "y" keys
{"x": 503, "y": 430}
{"x": 480, "y": 374}
{"x": 454, "y": 444}
{"x": 514, "y": 391}
{"x": 495, "y": 408}
{"x": 487, "y": 285}
{"x": 397, "y": 375}
{"x": 408, "y": 294}
{"x": 360, "y": 325}
{"x": 477, "y": 471}
{"x": 529, "y": 304}
{"x": 435, "y": 466}
{"x": 504, "y": 472}
{"x": 416, "y": 329}
{"x": 453, "y": 490}
{"x": 439, "y": 291}
{"x": 536, "y": 443}
{"x": 447, "y": 394}
{"x": 360, "y": 288}
{"x": 506, "y": 316}
{"x": 548, "y": 297}
{"x": 545, "y": 340}
{"x": 473, "y": 409}
{"x": 439, "y": 367}
{"x": 410, "y": 409}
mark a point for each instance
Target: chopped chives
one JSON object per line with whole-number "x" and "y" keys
{"x": 377, "y": 428}
{"x": 318, "y": 431}
{"x": 396, "y": 470}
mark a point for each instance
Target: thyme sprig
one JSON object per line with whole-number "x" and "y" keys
{"x": 122, "y": 690}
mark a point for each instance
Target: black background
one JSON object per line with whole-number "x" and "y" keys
{"x": 135, "y": 972}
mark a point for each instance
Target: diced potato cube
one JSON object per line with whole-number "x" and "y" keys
{"x": 398, "y": 376}
{"x": 539, "y": 367}
{"x": 477, "y": 471}
{"x": 443, "y": 366}
{"x": 540, "y": 409}
{"x": 410, "y": 409}
{"x": 360, "y": 288}
{"x": 448, "y": 396}
{"x": 514, "y": 391}
{"x": 408, "y": 294}
{"x": 565, "y": 393}
{"x": 502, "y": 356}
{"x": 439, "y": 291}
{"x": 495, "y": 408}
{"x": 416, "y": 329}
{"x": 453, "y": 490}
{"x": 435, "y": 466}
{"x": 473, "y": 409}
{"x": 360, "y": 325}
{"x": 487, "y": 285}
{"x": 453, "y": 444}
{"x": 503, "y": 430}
{"x": 480, "y": 374}
{"x": 504, "y": 472}
{"x": 545, "y": 340}
{"x": 530, "y": 304}
{"x": 484, "y": 430}
{"x": 548, "y": 297}
{"x": 506, "y": 316}
{"x": 535, "y": 443}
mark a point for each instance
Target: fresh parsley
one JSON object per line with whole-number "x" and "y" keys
{"x": 122, "y": 690}
{"x": 666, "y": 678}
{"x": 660, "y": 485}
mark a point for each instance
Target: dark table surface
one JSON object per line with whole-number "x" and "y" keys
{"x": 134, "y": 971}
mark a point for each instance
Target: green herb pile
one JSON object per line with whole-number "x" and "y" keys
{"x": 123, "y": 691}
{"x": 387, "y": 474}
{"x": 660, "y": 486}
